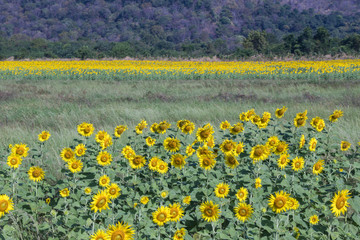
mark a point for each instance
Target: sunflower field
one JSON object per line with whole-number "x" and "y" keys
{"x": 260, "y": 178}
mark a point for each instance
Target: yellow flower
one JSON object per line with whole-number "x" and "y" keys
{"x": 100, "y": 235}
{"x": 100, "y": 201}
{"x": 280, "y": 148}
{"x": 189, "y": 150}
{"x": 293, "y": 203}
{"x": 67, "y": 154}
{"x": 161, "y": 216}
{"x": 341, "y": 170}
{"x": 210, "y": 211}
{"x": 164, "y": 194}
{"x": 207, "y": 162}
{"x": 318, "y": 167}
{"x": 141, "y": 126}
{"x": 187, "y": 200}
{"x": 20, "y": 150}
{"x": 128, "y": 152}
{"x": 137, "y": 162}
{"x": 150, "y": 141}
{"x": 172, "y": 144}
{"x": 176, "y": 213}
{"x": 122, "y": 231}
{"x": 80, "y": 150}
{"x": 345, "y": 145}
{"x": 283, "y": 160}
{"x": 188, "y": 128}
{"x": 113, "y": 190}
{"x": 279, "y": 112}
{"x": 14, "y": 161}
{"x": 279, "y": 203}
{"x": 258, "y": 183}
{"x": 178, "y": 160}
{"x": 44, "y": 136}
{"x": 48, "y": 200}
{"x": 162, "y": 127}
{"x": 87, "y": 190}
{"x": 231, "y": 161}
{"x": 181, "y": 123}
{"x": 298, "y": 163}
{"x": 162, "y": 167}
{"x": 302, "y": 141}
{"x": 85, "y": 129}
{"x": 6, "y": 204}
{"x": 65, "y": 192}
{"x": 75, "y": 165}
{"x": 100, "y": 136}
{"x": 272, "y": 142}
{"x": 228, "y": 146}
{"x": 237, "y": 128}
{"x": 120, "y": 130}
{"x": 312, "y": 144}
{"x": 300, "y": 119}
{"x": 203, "y": 134}
{"x": 153, "y": 163}
{"x": 225, "y": 125}
{"x": 259, "y": 152}
{"x": 239, "y": 148}
{"x": 339, "y": 203}
{"x": 36, "y": 174}
{"x": 144, "y": 200}
{"x": 179, "y": 234}
{"x": 222, "y": 190}
{"x": 314, "y": 219}
{"x": 336, "y": 114}
{"x": 104, "y": 158}
{"x": 106, "y": 142}
{"x": 104, "y": 181}
{"x": 242, "y": 194}
{"x": 243, "y": 211}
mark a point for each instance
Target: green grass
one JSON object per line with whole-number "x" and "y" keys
{"x": 29, "y": 106}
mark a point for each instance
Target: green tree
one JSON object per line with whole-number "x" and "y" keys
{"x": 256, "y": 40}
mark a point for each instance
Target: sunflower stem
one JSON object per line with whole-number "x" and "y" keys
{"x": 213, "y": 224}
{"x": 93, "y": 226}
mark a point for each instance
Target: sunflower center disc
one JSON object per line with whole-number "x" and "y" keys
{"x": 178, "y": 161}
{"x": 36, "y": 173}
{"x": 231, "y": 160}
{"x": 241, "y": 195}
{"x": 137, "y": 161}
{"x": 297, "y": 165}
{"x": 258, "y": 152}
{"x": 43, "y": 136}
{"x": 317, "y": 167}
{"x": 206, "y": 162}
{"x": 280, "y": 148}
{"x": 161, "y": 167}
{"x": 112, "y": 191}
{"x": 173, "y": 213}
{"x": 153, "y": 163}
{"x": 86, "y": 130}
{"x": 103, "y": 158}
{"x": 19, "y": 152}
{"x": 242, "y": 212}
{"x": 161, "y": 217}
{"x": 228, "y": 146}
{"x": 209, "y": 212}
{"x": 205, "y": 134}
{"x": 101, "y": 203}
{"x": 283, "y": 160}
{"x": 222, "y": 190}
{"x": 236, "y": 129}
{"x": 313, "y": 145}
{"x": 75, "y": 165}
{"x": 118, "y": 235}
{"x": 13, "y": 161}
{"x": 340, "y": 203}
{"x": 279, "y": 203}
{"x": 67, "y": 155}
{"x": 172, "y": 144}
{"x": 3, "y": 206}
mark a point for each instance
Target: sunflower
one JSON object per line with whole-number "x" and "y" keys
{"x": 318, "y": 167}
{"x": 6, "y": 204}
{"x": 44, "y": 136}
{"x": 293, "y": 203}
{"x": 181, "y": 123}
{"x": 297, "y": 163}
{"x": 172, "y": 144}
{"x": 279, "y": 112}
{"x": 14, "y": 161}
{"x": 153, "y": 163}
{"x": 204, "y": 151}
{"x": 128, "y": 152}
{"x": 113, "y": 190}
{"x": 67, "y": 154}
{"x": 239, "y": 148}
{"x": 64, "y": 192}
{"x": 314, "y": 219}
{"x": 100, "y": 201}
{"x": 144, "y": 200}
{"x": 161, "y": 215}
{"x": 187, "y": 200}
{"x": 36, "y": 174}
{"x": 104, "y": 158}
{"x": 204, "y": 133}
{"x": 279, "y": 202}
{"x": 225, "y": 125}
{"x": 188, "y": 128}
{"x": 259, "y": 152}
{"x": 140, "y": 127}
{"x": 121, "y": 231}
{"x": 107, "y": 142}
{"x": 100, "y": 235}
{"x": 302, "y": 141}
{"x": 345, "y": 145}
{"x": 178, "y": 160}
{"x": 80, "y": 150}
{"x": 150, "y": 141}
{"x": 312, "y": 144}
{"x": 87, "y": 190}
{"x": 258, "y": 183}
{"x": 300, "y": 121}
{"x": 227, "y": 146}
{"x": 162, "y": 127}
{"x": 237, "y": 128}
{"x": 179, "y": 234}
{"x": 210, "y": 142}
{"x": 272, "y": 142}
{"x": 137, "y": 162}
{"x": 75, "y": 165}
{"x": 120, "y": 130}
{"x": 336, "y": 114}
{"x": 318, "y": 123}
{"x": 176, "y": 213}
{"x": 104, "y": 181}
{"x": 283, "y": 160}
{"x": 255, "y": 119}
{"x": 249, "y": 114}
{"x": 242, "y": 117}
{"x": 339, "y": 202}
{"x": 222, "y": 190}
{"x": 164, "y": 194}
{"x": 231, "y": 161}
{"x": 281, "y": 148}
{"x": 243, "y": 211}
{"x": 242, "y": 194}
{"x": 207, "y": 162}
{"x": 153, "y": 127}
{"x": 162, "y": 167}
{"x": 189, "y": 150}
{"x": 85, "y": 129}
{"x": 100, "y": 136}
{"x": 210, "y": 211}
{"x": 20, "y": 150}
{"x": 48, "y": 200}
